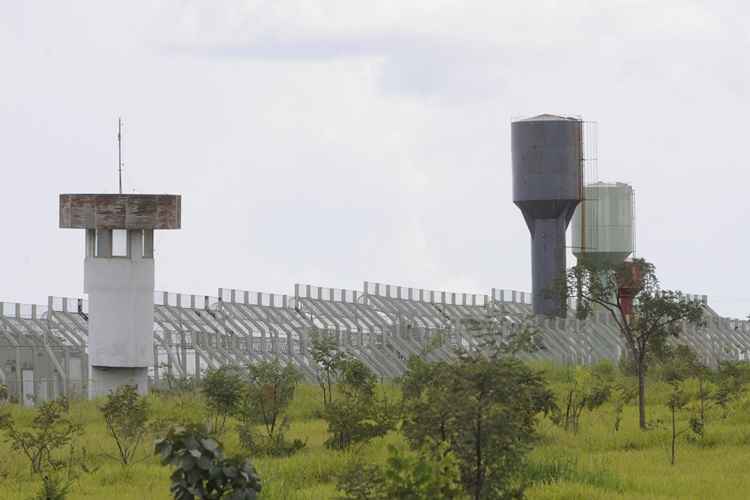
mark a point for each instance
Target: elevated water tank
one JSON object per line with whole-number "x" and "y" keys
{"x": 547, "y": 183}
{"x": 603, "y": 224}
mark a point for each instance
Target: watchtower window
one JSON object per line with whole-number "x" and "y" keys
{"x": 119, "y": 243}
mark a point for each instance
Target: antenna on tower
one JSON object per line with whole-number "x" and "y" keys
{"x": 119, "y": 150}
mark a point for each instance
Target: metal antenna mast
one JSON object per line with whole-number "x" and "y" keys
{"x": 119, "y": 150}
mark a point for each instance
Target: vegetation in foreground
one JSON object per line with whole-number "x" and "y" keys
{"x": 603, "y": 455}
{"x": 484, "y": 425}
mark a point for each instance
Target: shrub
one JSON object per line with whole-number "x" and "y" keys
{"x": 588, "y": 389}
{"x": 731, "y": 379}
{"x": 329, "y": 360}
{"x": 267, "y": 396}
{"x": 485, "y": 409}
{"x": 125, "y": 413}
{"x": 201, "y": 471}
{"x": 358, "y": 415}
{"x": 51, "y": 429}
{"x": 433, "y": 473}
{"x": 52, "y": 488}
{"x": 223, "y": 389}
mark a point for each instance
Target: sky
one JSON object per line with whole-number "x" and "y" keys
{"x": 333, "y": 142}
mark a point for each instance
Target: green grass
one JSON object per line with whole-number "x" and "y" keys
{"x": 596, "y": 463}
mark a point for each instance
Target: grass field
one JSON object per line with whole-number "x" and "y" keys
{"x": 595, "y": 463}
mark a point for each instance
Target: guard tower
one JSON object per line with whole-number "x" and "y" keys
{"x": 119, "y": 280}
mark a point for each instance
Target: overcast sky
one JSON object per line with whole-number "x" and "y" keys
{"x": 332, "y": 142}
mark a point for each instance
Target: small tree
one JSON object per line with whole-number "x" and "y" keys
{"x": 3, "y": 394}
{"x": 621, "y": 395}
{"x": 731, "y": 379}
{"x": 358, "y": 415}
{"x": 424, "y": 394}
{"x": 677, "y": 400}
{"x": 268, "y": 394}
{"x": 201, "y": 471}
{"x": 656, "y": 314}
{"x": 681, "y": 364}
{"x": 484, "y": 408}
{"x": 587, "y": 390}
{"x": 329, "y": 359}
{"x": 126, "y": 415}
{"x": 51, "y": 430}
{"x": 223, "y": 389}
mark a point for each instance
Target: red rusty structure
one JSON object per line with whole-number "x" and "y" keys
{"x": 629, "y": 284}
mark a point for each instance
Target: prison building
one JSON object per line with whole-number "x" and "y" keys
{"x": 43, "y": 348}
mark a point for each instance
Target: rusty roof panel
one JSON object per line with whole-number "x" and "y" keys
{"x": 120, "y": 211}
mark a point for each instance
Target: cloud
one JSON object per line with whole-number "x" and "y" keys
{"x": 448, "y": 49}
{"x": 340, "y": 141}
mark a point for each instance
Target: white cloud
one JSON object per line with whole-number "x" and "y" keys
{"x": 342, "y": 141}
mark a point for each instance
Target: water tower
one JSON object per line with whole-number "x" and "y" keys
{"x": 547, "y": 184}
{"x": 119, "y": 280}
{"x": 603, "y": 224}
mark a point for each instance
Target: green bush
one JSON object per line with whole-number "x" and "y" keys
{"x": 269, "y": 391}
{"x": 126, "y": 415}
{"x": 201, "y": 471}
{"x": 51, "y": 430}
{"x": 432, "y": 473}
{"x": 223, "y": 389}
{"x": 358, "y": 415}
{"x": 485, "y": 409}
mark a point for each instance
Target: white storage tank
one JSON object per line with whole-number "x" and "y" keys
{"x": 603, "y": 224}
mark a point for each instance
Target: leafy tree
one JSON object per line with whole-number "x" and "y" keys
{"x": 731, "y": 379}
{"x": 587, "y": 390}
{"x": 201, "y": 470}
{"x": 680, "y": 364}
{"x": 223, "y": 389}
{"x": 126, "y": 415}
{"x": 358, "y": 415}
{"x": 424, "y": 393}
{"x": 657, "y": 315}
{"x": 51, "y": 430}
{"x": 326, "y": 354}
{"x": 268, "y": 394}
{"x": 484, "y": 408}
{"x": 432, "y": 473}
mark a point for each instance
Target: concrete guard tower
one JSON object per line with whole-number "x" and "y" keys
{"x": 119, "y": 280}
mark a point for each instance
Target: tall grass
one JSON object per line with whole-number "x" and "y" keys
{"x": 595, "y": 463}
